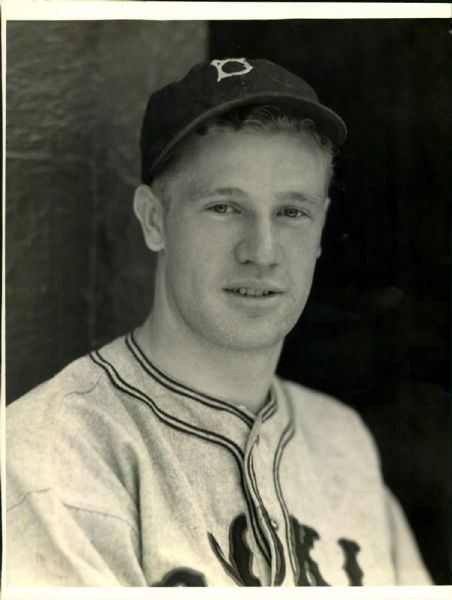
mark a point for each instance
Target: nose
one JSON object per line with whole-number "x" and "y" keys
{"x": 259, "y": 243}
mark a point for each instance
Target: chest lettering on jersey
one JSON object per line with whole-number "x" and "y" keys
{"x": 238, "y": 566}
{"x": 183, "y": 577}
{"x": 351, "y": 566}
{"x": 240, "y": 556}
{"x": 303, "y": 538}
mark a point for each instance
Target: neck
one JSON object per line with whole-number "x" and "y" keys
{"x": 239, "y": 377}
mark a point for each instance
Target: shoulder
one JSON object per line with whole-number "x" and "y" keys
{"x": 63, "y": 424}
{"x": 329, "y": 424}
{"x": 39, "y": 409}
{"x": 315, "y": 404}
{"x": 80, "y": 378}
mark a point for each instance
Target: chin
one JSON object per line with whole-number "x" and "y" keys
{"x": 252, "y": 339}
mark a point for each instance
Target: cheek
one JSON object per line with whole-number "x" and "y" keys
{"x": 300, "y": 262}
{"x": 190, "y": 258}
{"x": 182, "y": 241}
{"x": 193, "y": 241}
{"x": 301, "y": 246}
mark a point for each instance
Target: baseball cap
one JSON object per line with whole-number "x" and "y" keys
{"x": 211, "y": 89}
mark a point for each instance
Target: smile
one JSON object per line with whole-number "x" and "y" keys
{"x": 252, "y": 293}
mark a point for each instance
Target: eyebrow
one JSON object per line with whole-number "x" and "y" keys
{"x": 301, "y": 197}
{"x": 226, "y": 191}
{"x": 289, "y": 196}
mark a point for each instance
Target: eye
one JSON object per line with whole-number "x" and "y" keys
{"x": 293, "y": 213}
{"x": 221, "y": 209}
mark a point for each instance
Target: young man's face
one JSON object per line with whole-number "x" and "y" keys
{"x": 242, "y": 234}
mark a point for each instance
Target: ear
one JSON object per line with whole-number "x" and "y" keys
{"x": 149, "y": 211}
{"x": 327, "y": 205}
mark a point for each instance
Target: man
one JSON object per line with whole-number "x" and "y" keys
{"x": 174, "y": 455}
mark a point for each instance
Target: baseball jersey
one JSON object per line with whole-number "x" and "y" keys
{"x": 118, "y": 475}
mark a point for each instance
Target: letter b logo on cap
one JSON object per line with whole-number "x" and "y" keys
{"x": 240, "y": 62}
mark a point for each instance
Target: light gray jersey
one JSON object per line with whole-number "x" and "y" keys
{"x": 119, "y": 475}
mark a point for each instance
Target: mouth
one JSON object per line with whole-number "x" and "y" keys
{"x": 246, "y": 292}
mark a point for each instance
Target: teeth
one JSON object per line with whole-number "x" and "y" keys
{"x": 250, "y": 292}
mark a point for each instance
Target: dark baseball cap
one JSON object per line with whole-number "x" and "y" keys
{"x": 209, "y": 90}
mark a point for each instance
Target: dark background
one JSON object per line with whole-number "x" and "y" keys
{"x": 376, "y": 331}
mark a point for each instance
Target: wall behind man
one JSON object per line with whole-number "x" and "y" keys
{"x": 375, "y": 331}
{"x": 77, "y": 271}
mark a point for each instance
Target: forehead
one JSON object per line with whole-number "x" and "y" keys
{"x": 250, "y": 155}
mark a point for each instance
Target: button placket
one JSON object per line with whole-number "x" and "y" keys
{"x": 259, "y": 528}
{"x": 268, "y": 525}
{"x": 260, "y": 566}
{"x": 275, "y": 422}
{"x": 264, "y": 531}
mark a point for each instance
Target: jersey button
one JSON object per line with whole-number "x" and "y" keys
{"x": 274, "y": 524}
